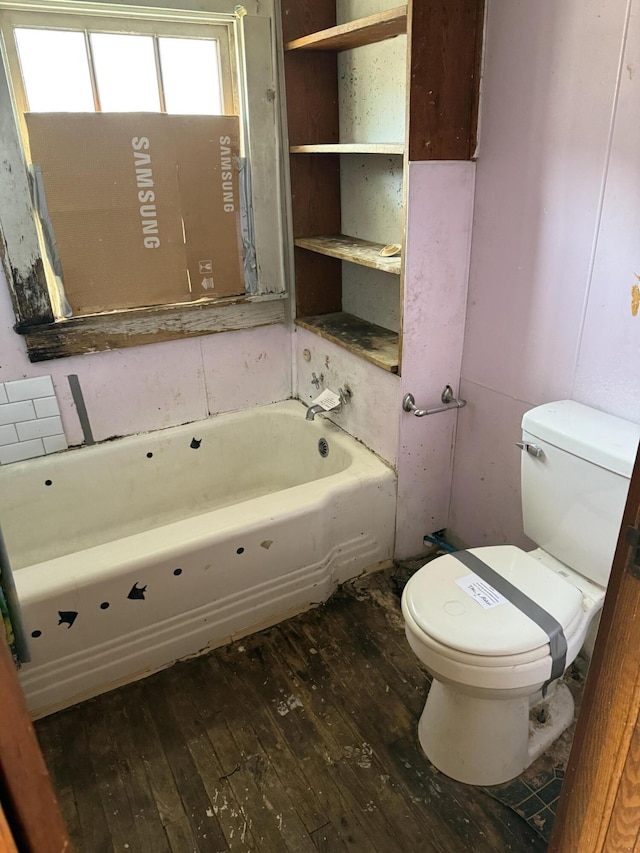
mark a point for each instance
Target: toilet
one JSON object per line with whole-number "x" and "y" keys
{"x": 496, "y": 626}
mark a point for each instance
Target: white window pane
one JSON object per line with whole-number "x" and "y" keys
{"x": 125, "y": 69}
{"x": 190, "y": 76}
{"x": 55, "y": 70}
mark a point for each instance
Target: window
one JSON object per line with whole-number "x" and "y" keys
{"x": 98, "y": 65}
{"x": 173, "y": 62}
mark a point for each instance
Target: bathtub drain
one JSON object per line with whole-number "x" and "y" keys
{"x": 323, "y": 447}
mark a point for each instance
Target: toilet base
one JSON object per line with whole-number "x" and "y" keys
{"x": 488, "y": 741}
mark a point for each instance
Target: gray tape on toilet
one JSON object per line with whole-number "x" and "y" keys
{"x": 551, "y": 627}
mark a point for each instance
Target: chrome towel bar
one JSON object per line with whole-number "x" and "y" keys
{"x": 448, "y": 402}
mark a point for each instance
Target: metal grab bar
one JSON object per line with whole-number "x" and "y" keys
{"x": 448, "y": 400}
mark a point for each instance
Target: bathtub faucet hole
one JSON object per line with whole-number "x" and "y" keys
{"x": 323, "y": 447}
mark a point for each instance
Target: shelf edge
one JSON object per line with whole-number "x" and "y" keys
{"x": 370, "y": 30}
{"x": 350, "y": 148}
{"x": 363, "y": 253}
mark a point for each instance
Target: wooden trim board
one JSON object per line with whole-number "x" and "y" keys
{"x": 445, "y": 45}
{"x": 29, "y": 802}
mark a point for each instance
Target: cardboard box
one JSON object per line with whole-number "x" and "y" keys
{"x": 144, "y": 206}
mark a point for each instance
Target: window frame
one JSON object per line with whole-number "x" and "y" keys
{"x": 256, "y": 68}
{"x": 11, "y": 19}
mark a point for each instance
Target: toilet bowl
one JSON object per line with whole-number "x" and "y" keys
{"x": 497, "y": 626}
{"x": 486, "y": 718}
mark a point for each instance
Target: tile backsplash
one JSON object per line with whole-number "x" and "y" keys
{"x": 30, "y": 423}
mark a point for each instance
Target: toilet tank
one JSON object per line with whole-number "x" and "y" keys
{"x": 573, "y": 494}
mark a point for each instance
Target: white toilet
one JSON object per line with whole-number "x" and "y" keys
{"x": 496, "y": 626}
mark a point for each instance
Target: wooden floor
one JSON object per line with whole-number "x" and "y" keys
{"x": 301, "y": 738}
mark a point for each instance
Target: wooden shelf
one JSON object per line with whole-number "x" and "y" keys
{"x": 351, "y": 249}
{"x": 350, "y": 148}
{"x": 371, "y": 342}
{"x": 374, "y": 28}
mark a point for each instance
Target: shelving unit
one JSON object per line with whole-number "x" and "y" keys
{"x": 441, "y": 65}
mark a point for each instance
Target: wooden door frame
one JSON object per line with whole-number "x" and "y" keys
{"x": 27, "y": 800}
{"x": 599, "y": 808}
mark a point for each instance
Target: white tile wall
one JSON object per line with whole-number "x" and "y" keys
{"x": 13, "y": 413}
{"x": 8, "y": 434}
{"x": 53, "y": 443}
{"x": 29, "y": 389}
{"x": 46, "y": 407}
{"x": 30, "y": 422}
{"x": 39, "y": 428}
{"x": 21, "y": 450}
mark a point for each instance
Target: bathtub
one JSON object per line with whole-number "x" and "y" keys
{"x": 134, "y": 553}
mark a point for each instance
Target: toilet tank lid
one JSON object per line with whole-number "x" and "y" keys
{"x": 597, "y": 437}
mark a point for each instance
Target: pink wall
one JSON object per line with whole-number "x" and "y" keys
{"x": 143, "y": 388}
{"x": 439, "y": 209}
{"x": 555, "y": 241}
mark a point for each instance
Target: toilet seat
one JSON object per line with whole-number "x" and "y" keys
{"x": 457, "y": 626}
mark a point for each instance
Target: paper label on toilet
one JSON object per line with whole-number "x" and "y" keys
{"x": 328, "y": 400}
{"x": 481, "y": 591}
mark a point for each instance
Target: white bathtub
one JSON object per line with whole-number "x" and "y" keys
{"x": 176, "y": 541}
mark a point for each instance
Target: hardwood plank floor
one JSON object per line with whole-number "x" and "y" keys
{"x": 302, "y": 738}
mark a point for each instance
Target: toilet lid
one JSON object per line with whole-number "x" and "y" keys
{"x": 448, "y": 604}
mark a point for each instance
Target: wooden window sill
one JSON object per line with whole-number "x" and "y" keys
{"x": 138, "y": 326}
